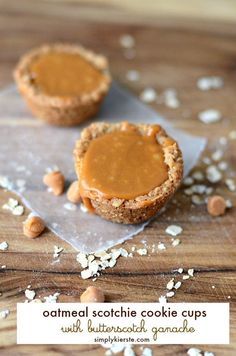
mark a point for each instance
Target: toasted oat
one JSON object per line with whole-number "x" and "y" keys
{"x": 127, "y": 41}
{"x": 174, "y": 230}
{"x": 4, "y": 313}
{"x": 70, "y": 206}
{"x": 147, "y": 352}
{"x": 207, "y": 83}
{"x": 161, "y": 246}
{"x": 30, "y": 294}
{"x": 232, "y": 135}
{"x": 210, "y": 116}
{"x": 177, "y": 285}
{"x": 162, "y": 299}
{"x": 190, "y": 272}
{"x": 213, "y": 174}
{"x": 142, "y": 251}
{"x": 170, "y": 294}
{"x": 13, "y": 206}
{"x": 217, "y": 155}
{"x": 52, "y": 298}
{"x": 83, "y": 208}
{"x": 4, "y": 246}
{"x": 57, "y": 251}
{"x": 170, "y": 98}
{"x": 148, "y": 95}
{"x": 176, "y": 242}
{"x": 231, "y": 185}
{"x": 170, "y": 284}
{"x": 133, "y": 75}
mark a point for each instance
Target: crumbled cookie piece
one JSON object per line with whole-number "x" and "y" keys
{"x": 33, "y": 226}
{"x": 73, "y": 194}
{"x": 55, "y": 181}
{"x": 92, "y": 295}
{"x": 216, "y": 205}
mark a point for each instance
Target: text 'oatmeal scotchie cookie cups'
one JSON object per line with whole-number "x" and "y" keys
{"x": 63, "y": 84}
{"x": 127, "y": 172}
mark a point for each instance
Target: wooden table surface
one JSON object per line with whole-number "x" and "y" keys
{"x": 168, "y": 54}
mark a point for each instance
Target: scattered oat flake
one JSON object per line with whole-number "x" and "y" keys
{"x": 52, "y": 298}
{"x": 198, "y": 176}
{"x": 197, "y": 200}
{"x": 162, "y": 299}
{"x": 228, "y": 203}
{"x": 4, "y": 246}
{"x": 186, "y": 276}
{"x": 232, "y": 135}
{"x": 213, "y": 174}
{"x": 177, "y": 285}
{"x": 176, "y": 242}
{"x": 133, "y": 75}
{"x": 30, "y": 294}
{"x": 223, "y": 165}
{"x": 194, "y": 352}
{"x": 148, "y": 95}
{"x": 190, "y": 272}
{"x": 127, "y": 41}
{"x": 210, "y": 116}
{"x": 147, "y": 352}
{"x": 170, "y": 98}
{"x": 174, "y": 230}
{"x": 170, "y": 294}
{"x": 57, "y": 251}
{"x": 170, "y": 284}
{"x": 18, "y": 210}
{"x": 188, "y": 181}
{"x": 70, "y": 206}
{"x": 230, "y": 183}
{"x": 83, "y": 208}
{"x": 161, "y": 246}
{"x": 180, "y": 270}
{"x": 207, "y": 83}
{"x": 142, "y": 251}
{"x": 217, "y": 155}
{"x": 4, "y": 313}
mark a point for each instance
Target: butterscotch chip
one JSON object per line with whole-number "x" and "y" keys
{"x": 33, "y": 227}
{"x": 92, "y": 295}
{"x": 216, "y": 205}
{"x": 73, "y": 194}
{"x": 55, "y": 181}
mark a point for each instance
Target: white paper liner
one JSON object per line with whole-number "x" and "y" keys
{"x": 28, "y": 147}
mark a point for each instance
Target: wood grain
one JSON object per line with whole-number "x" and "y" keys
{"x": 169, "y": 54}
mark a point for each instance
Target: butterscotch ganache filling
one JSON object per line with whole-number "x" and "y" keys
{"x": 123, "y": 164}
{"x": 65, "y": 74}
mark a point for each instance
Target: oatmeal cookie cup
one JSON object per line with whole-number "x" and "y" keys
{"x": 63, "y": 84}
{"x": 143, "y": 207}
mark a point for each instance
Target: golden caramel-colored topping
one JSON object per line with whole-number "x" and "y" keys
{"x": 65, "y": 74}
{"x": 123, "y": 164}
